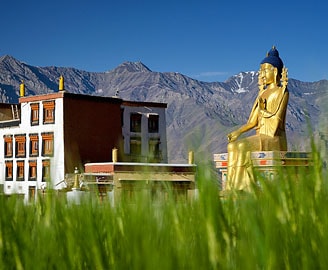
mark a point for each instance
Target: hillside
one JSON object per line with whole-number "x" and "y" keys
{"x": 199, "y": 114}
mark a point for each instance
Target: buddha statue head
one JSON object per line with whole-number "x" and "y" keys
{"x": 273, "y": 58}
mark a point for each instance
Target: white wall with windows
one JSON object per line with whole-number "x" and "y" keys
{"x": 32, "y": 148}
{"x": 32, "y": 151}
{"x": 144, "y": 132}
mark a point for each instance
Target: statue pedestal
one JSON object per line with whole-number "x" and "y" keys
{"x": 267, "y": 163}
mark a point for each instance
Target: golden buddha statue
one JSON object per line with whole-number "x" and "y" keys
{"x": 268, "y": 118}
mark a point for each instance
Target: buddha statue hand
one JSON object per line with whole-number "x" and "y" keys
{"x": 233, "y": 136}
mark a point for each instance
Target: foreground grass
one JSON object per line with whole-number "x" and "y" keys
{"x": 284, "y": 226}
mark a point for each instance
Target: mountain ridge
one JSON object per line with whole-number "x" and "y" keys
{"x": 199, "y": 114}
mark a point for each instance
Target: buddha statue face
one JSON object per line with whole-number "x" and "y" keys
{"x": 268, "y": 73}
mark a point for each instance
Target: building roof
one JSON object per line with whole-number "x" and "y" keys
{"x": 62, "y": 94}
{"x": 144, "y": 103}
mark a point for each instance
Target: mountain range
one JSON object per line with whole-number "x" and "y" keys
{"x": 199, "y": 114}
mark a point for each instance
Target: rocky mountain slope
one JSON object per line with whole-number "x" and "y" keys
{"x": 199, "y": 114}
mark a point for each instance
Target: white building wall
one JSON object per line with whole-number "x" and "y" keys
{"x": 57, "y": 165}
{"x": 57, "y": 169}
{"x": 145, "y": 136}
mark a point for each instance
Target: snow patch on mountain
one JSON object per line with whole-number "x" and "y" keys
{"x": 242, "y": 82}
{"x": 199, "y": 114}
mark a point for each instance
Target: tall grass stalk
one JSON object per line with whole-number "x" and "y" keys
{"x": 283, "y": 226}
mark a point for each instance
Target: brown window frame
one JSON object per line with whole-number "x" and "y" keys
{"x": 49, "y": 112}
{"x": 45, "y": 170}
{"x": 47, "y": 144}
{"x": 8, "y": 146}
{"x": 35, "y": 114}
{"x": 20, "y": 144}
{"x": 31, "y": 193}
{"x": 34, "y": 145}
{"x": 20, "y": 170}
{"x": 32, "y": 170}
{"x": 9, "y": 171}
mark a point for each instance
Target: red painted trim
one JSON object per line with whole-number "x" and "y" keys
{"x": 116, "y": 167}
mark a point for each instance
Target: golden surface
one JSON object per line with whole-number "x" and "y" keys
{"x": 22, "y": 89}
{"x": 268, "y": 117}
{"x": 61, "y": 83}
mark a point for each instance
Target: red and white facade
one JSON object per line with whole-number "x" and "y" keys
{"x": 45, "y": 137}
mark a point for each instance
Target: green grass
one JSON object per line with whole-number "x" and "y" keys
{"x": 283, "y": 226}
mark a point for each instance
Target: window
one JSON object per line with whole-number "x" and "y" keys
{"x": 49, "y": 112}
{"x": 47, "y": 144}
{"x": 135, "y": 146}
{"x": 20, "y": 145}
{"x": 34, "y": 114}
{"x": 20, "y": 170}
{"x": 8, "y": 145}
{"x": 45, "y": 170}
{"x": 135, "y": 122}
{"x": 31, "y": 193}
{"x": 9, "y": 170}
{"x": 32, "y": 170}
{"x": 153, "y": 123}
{"x": 154, "y": 152}
{"x": 34, "y": 145}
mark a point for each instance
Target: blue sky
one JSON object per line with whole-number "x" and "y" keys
{"x": 206, "y": 40}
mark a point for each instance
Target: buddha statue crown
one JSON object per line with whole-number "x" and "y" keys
{"x": 273, "y": 58}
